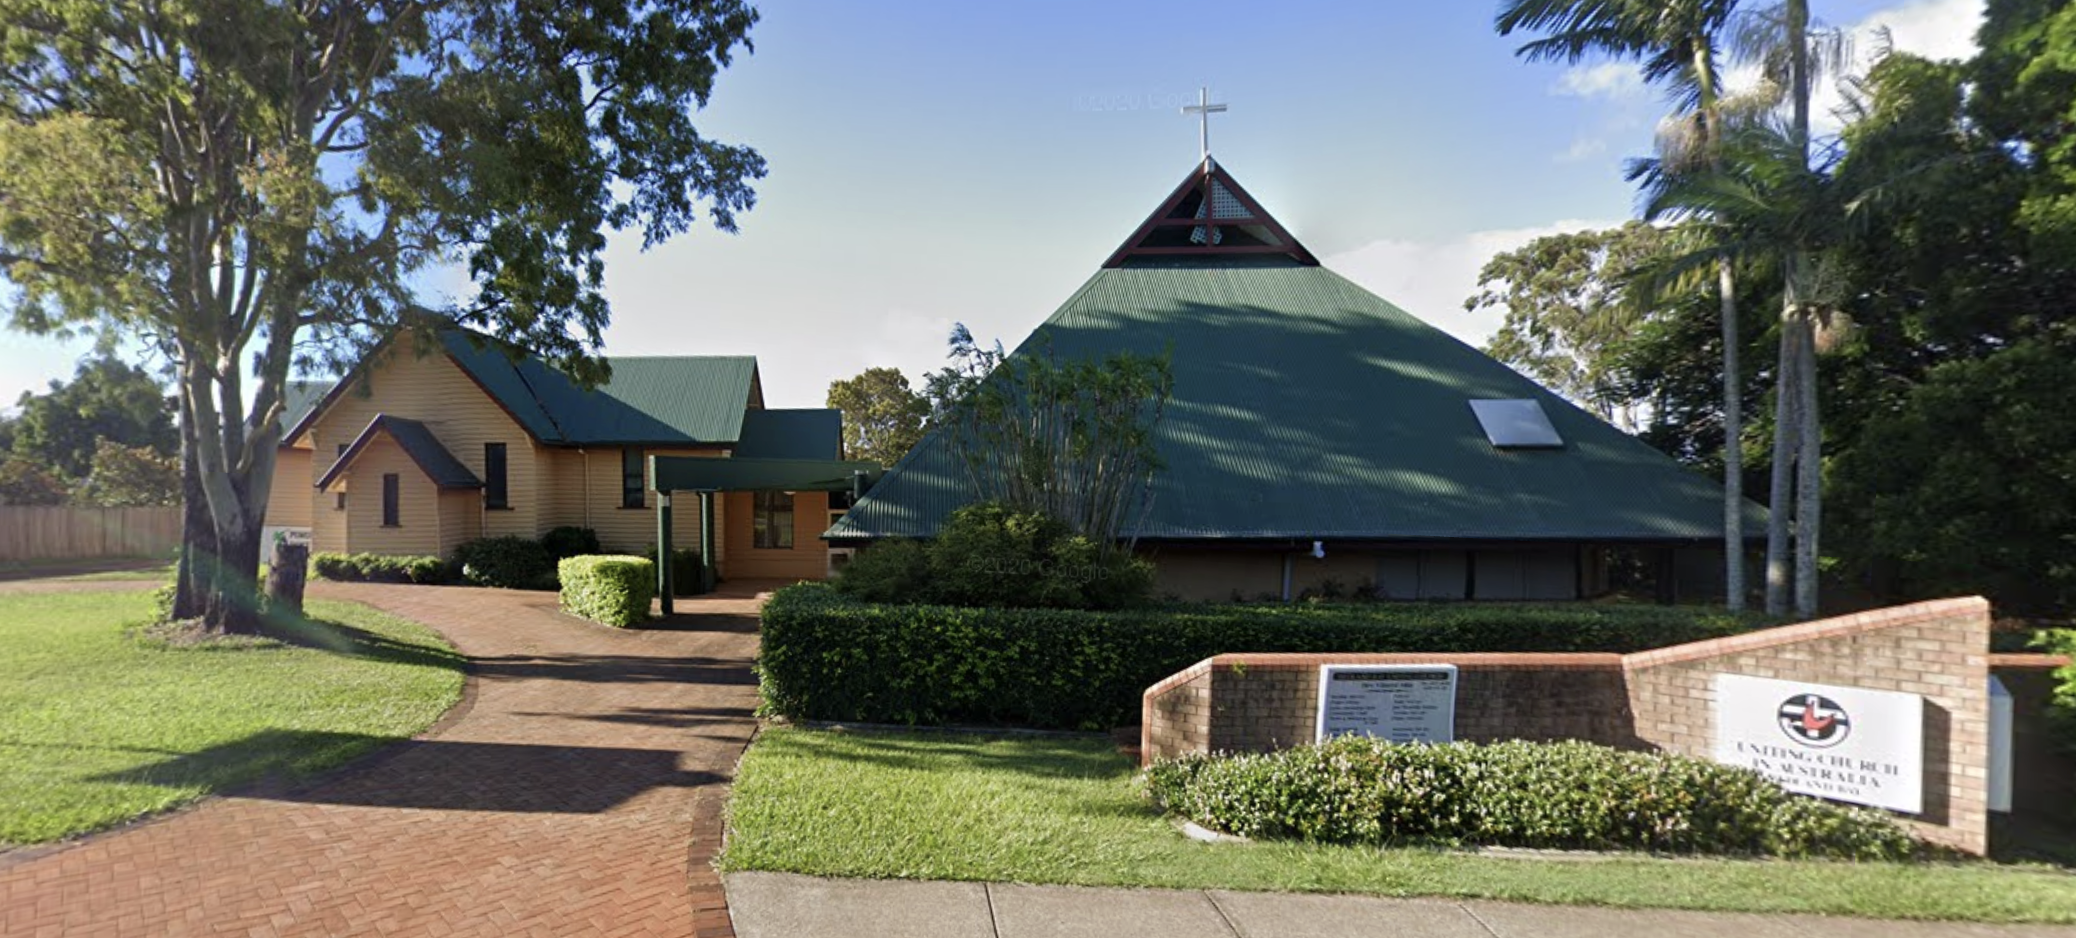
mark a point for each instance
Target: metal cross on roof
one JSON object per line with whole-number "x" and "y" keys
{"x": 1203, "y": 109}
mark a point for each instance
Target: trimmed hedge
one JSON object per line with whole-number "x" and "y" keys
{"x": 684, "y": 569}
{"x": 1562, "y": 795}
{"x": 508, "y": 562}
{"x": 608, "y": 589}
{"x": 379, "y": 568}
{"x": 825, "y": 656}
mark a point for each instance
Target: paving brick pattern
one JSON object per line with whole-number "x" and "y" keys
{"x": 562, "y": 800}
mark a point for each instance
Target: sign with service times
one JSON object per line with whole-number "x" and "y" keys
{"x": 1400, "y": 703}
{"x": 1843, "y": 743}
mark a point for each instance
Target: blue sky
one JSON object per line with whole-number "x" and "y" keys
{"x": 942, "y": 162}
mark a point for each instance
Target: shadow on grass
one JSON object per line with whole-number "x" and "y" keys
{"x": 341, "y": 638}
{"x": 428, "y": 774}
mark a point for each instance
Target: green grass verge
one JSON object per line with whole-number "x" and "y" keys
{"x": 1065, "y": 810}
{"x": 98, "y": 725}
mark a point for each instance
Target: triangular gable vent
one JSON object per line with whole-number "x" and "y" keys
{"x": 1210, "y": 214}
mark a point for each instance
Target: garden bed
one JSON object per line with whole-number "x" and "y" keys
{"x": 1066, "y": 810}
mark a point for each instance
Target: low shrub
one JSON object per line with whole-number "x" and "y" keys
{"x": 991, "y": 555}
{"x": 570, "y": 541}
{"x": 2061, "y": 708}
{"x": 378, "y": 568}
{"x": 507, "y": 562}
{"x": 827, "y": 656}
{"x": 1561, "y": 795}
{"x": 684, "y": 569}
{"x": 609, "y": 589}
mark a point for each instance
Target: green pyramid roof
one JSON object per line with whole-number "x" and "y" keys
{"x": 1305, "y": 407}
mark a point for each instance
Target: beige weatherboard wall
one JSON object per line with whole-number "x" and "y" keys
{"x": 1934, "y": 652}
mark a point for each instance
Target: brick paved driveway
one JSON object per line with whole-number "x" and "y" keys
{"x": 560, "y": 802}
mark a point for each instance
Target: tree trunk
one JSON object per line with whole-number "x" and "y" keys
{"x": 287, "y": 570}
{"x": 1780, "y": 499}
{"x": 233, "y": 603}
{"x": 1809, "y": 469}
{"x": 1733, "y": 442}
{"x": 192, "y": 579}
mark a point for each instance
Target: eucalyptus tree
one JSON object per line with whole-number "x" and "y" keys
{"x": 1678, "y": 46}
{"x": 253, "y": 184}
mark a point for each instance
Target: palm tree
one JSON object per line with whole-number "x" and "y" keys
{"x": 1781, "y": 41}
{"x": 1769, "y": 204}
{"x": 1676, "y": 43}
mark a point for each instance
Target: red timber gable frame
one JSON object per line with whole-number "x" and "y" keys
{"x": 1206, "y": 211}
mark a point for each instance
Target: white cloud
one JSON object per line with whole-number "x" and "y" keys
{"x": 1583, "y": 148}
{"x": 1936, "y": 29}
{"x": 1611, "y": 81}
{"x": 1431, "y": 279}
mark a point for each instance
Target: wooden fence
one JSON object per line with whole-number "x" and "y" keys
{"x": 68, "y": 533}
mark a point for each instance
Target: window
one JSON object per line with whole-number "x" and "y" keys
{"x": 632, "y": 478}
{"x": 775, "y": 520}
{"x": 339, "y": 501}
{"x": 494, "y": 476}
{"x": 390, "y": 483}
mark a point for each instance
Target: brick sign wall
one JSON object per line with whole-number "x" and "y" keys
{"x": 1662, "y": 699}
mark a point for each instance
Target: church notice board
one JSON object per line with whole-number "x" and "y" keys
{"x": 1400, "y": 703}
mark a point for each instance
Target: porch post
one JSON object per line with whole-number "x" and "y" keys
{"x": 665, "y": 589}
{"x": 706, "y": 542}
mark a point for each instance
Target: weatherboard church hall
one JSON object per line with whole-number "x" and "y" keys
{"x": 1319, "y": 435}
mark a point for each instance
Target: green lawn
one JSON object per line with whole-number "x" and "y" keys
{"x": 1066, "y": 810}
{"x": 98, "y": 727}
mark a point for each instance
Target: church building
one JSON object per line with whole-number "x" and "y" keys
{"x": 1319, "y": 437}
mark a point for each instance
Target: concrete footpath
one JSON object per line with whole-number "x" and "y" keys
{"x": 780, "y": 905}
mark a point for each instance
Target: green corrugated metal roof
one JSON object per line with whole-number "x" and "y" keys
{"x": 417, "y": 442}
{"x": 663, "y": 401}
{"x": 298, "y": 397}
{"x": 791, "y": 434}
{"x": 1305, "y": 407}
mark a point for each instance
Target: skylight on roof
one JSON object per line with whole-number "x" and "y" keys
{"x": 1516, "y": 424}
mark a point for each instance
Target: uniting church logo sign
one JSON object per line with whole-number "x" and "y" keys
{"x": 1815, "y": 720}
{"x": 1844, "y": 743}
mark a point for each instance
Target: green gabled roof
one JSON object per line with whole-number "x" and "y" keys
{"x": 693, "y": 399}
{"x": 1305, "y": 407}
{"x": 417, "y": 442}
{"x": 791, "y": 434}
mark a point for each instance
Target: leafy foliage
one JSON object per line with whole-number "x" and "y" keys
{"x": 570, "y": 541}
{"x": 883, "y": 418}
{"x": 506, "y": 562}
{"x": 991, "y": 555}
{"x": 1563, "y": 795}
{"x": 106, "y": 401}
{"x": 23, "y": 482}
{"x": 684, "y": 568}
{"x": 1071, "y": 439}
{"x": 1567, "y": 308}
{"x": 827, "y": 656}
{"x": 380, "y": 568}
{"x": 127, "y": 476}
{"x": 608, "y": 589}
